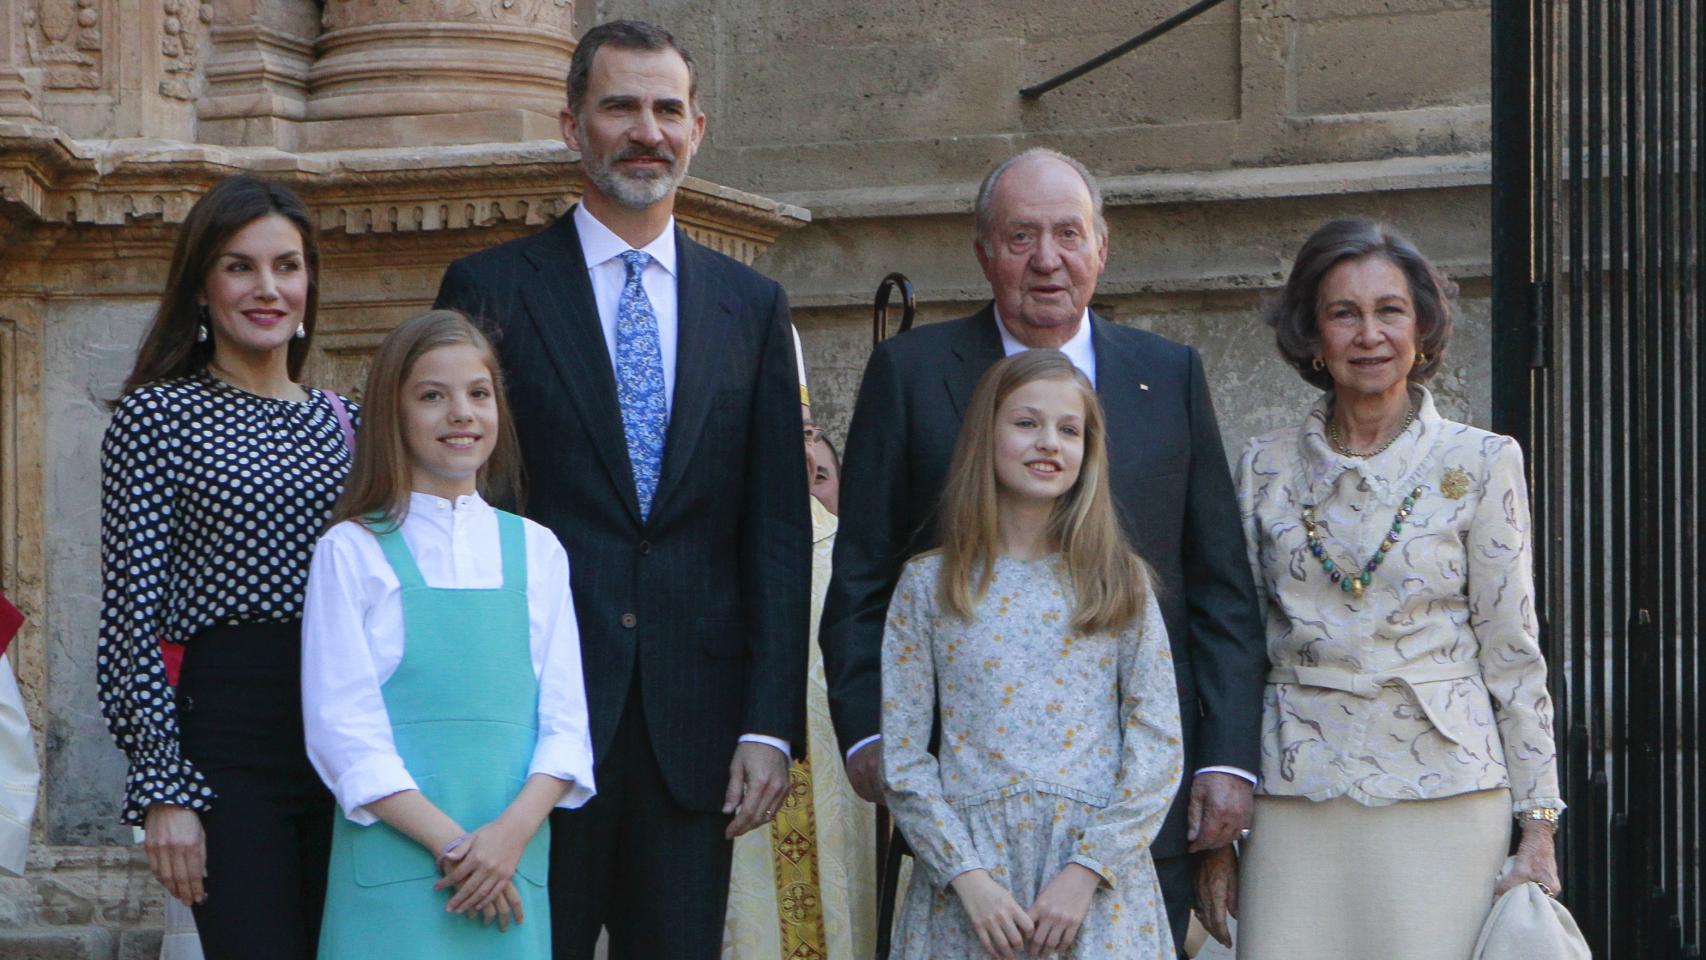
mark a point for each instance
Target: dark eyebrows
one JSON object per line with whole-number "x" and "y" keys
{"x": 619, "y": 101}
{"x": 239, "y": 255}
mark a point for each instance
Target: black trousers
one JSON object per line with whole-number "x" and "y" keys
{"x": 269, "y": 834}
{"x": 635, "y": 861}
{"x": 1178, "y": 893}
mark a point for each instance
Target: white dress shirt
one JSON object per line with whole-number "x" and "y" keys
{"x": 352, "y": 642}
{"x": 608, "y": 272}
{"x": 602, "y": 249}
{"x": 1080, "y": 349}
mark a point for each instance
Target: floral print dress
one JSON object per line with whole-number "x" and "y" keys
{"x": 1056, "y": 747}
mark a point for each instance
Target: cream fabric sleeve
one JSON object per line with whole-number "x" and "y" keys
{"x": 1501, "y": 612}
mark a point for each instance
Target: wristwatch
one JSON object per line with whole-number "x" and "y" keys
{"x": 1542, "y": 814}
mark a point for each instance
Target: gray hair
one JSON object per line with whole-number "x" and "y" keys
{"x": 984, "y": 209}
{"x": 1293, "y": 314}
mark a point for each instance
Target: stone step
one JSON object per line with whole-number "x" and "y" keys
{"x": 56, "y": 943}
{"x": 78, "y": 943}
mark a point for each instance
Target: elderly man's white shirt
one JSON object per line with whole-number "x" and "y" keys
{"x": 1079, "y": 349}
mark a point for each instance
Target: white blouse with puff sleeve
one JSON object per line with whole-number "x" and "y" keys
{"x": 1432, "y": 684}
{"x": 352, "y": 642}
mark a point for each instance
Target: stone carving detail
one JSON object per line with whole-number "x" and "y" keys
{"x": 63, "y": 37}
{"x": 360, "y": 13}
{"x": 185, "y": 25}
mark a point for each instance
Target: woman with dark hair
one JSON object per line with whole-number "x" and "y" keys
{"x": 218, "y": 472}
{"x": 1407, "y": 718}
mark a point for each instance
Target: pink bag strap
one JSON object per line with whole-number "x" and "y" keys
{"x": 344, "y": 424}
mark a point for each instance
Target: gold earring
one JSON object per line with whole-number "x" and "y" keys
{"x": 1318, "y": 365}
{"x": 1421, "y": 359}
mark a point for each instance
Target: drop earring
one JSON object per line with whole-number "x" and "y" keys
{"x": 301, "y": 331}
{"x": 201, "y": 328}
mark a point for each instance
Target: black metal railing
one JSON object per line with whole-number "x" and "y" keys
{"x": 1186, "y": 15}
{"x": 1599, "y": 308}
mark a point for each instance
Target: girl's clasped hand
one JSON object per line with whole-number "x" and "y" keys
{"x": 481, "y": 869}
{"x": 1049, "y": 927}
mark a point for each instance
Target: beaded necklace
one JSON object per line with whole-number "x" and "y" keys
{"x": 1355, "y": 583}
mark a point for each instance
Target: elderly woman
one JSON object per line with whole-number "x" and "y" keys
{"x": 1406, "y": 719}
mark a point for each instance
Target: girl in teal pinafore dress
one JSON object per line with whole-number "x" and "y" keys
{"x": 442, "y": 691}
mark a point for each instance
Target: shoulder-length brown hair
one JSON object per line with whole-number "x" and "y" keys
{"x": 1111, "y": 582}
{"x": 377, "y": 491}
{"x": 170, "y": 348}
{"x": 1294, "y": 314}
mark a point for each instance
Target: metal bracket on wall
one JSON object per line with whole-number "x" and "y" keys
{"x": 1183, "y": 16}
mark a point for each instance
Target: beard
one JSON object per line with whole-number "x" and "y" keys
{"x": 634, "y": 190}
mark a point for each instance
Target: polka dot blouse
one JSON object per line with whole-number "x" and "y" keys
{"x": 211, "y": 501}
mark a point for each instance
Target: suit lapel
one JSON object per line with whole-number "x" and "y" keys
{"x": 565, "y": 317}
{"x": 700, "y": 316}
{"x": 977, "y": 349}
{"x": 1121, "y": 373}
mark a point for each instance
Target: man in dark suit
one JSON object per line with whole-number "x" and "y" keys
{"x": 654, "y": 394}
{"x": 1042, "y": 243}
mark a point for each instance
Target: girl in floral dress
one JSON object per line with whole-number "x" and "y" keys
{"x": 1034, "y": 637}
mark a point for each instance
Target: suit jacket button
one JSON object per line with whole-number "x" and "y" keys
{"x": 629, "y": 620}
{"x": 645, "y": 547}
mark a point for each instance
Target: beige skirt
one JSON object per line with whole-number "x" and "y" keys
{"x": 1341, "y": 881}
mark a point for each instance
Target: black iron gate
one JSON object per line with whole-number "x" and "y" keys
{"x": 1599, "y": 309}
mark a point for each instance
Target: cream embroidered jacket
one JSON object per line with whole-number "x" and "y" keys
{"x": 1433, "y": 683}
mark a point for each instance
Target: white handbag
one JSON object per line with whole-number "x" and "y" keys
{"x": 1526, "y": 924}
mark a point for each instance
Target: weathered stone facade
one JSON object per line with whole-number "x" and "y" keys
{"x": 419, "y": 130}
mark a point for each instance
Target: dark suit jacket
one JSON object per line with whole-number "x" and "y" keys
{"x": 709, "y": 599}
{"x": 1171, "y": 485}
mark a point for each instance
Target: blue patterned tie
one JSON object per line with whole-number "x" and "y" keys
{"x": 639, "y": 381}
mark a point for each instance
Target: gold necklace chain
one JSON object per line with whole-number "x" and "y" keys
{"x": 1339, "y": 445}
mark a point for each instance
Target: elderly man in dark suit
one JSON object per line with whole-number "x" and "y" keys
{"x": 1042, "y": 243}
{"x": 653, "y": 387}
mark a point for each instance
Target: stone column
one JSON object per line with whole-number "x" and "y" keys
{"x": 431, "y": 72}
{"x": 255, "y": 91}
{"x": 17, "y": 93}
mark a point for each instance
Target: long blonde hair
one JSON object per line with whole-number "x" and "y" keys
{"x": 1110, "y": 580}
{"x": 378, "y": 485}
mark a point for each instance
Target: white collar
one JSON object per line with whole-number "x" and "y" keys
{"x": 426, "y": 504}
{"x": 1078, "y": 349}
{"x": 600, "y": 244}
